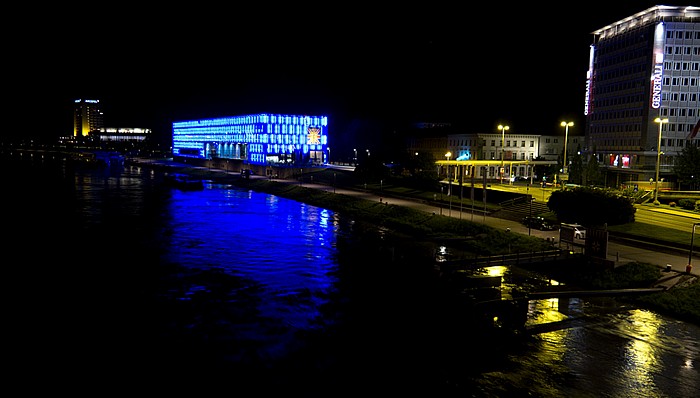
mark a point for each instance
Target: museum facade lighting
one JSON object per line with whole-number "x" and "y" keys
{"x": 260, "y": 139}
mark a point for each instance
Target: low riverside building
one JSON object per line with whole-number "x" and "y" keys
{"x": 265, "y": 143}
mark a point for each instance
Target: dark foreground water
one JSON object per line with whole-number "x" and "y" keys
{"x": 117, "y": 283}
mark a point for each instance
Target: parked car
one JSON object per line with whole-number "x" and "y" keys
{"x": 538, "y": 223}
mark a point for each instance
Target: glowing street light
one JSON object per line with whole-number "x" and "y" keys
{"x": 448, "y": 155}
{"x": 566, "y": 125}
{"x": 661, "y": 122}
{"x": 503, "y": 149}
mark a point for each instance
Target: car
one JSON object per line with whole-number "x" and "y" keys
{"x": 538, "y": 223}
{"x": 578, "y": 230}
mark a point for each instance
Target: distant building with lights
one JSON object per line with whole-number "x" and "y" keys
{"x": 641, "y": 68}
{"x": 87, "y": 117}
{"x": 89, "y": 129}
{"x": 122, "y": 134}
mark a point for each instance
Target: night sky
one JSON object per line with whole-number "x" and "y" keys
{"x": 474, "y": 67}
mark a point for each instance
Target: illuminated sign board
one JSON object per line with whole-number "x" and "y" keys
{"x": 656, "y": 85}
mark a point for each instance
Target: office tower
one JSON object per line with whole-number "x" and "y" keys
{"x": 642, "y": 88}
{"x": 87, "y": 117}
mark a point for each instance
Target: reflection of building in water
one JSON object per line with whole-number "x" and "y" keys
{"x": 261, "y": 139}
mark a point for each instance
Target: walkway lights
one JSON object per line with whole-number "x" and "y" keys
{"x": 503, "y": 138}
{"x": 661, "y": 122}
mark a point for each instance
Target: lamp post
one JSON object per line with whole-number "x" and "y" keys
{"x": 661, "y": 122}
{"x": 355, "y": 158}
{"x": 566, "y": 125}
{"x": 448, "y": 155}
{"x": 503, "y": 138}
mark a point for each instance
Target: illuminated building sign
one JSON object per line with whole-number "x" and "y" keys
{"x": 589, "y": 77}
{"x": 256, "y": 139}
{"x": 658, "y": 72}
{"x": 656, "y": 85}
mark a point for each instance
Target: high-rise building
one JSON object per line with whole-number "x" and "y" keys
{"x": 642, "y": 100}
{"x": 87, "y": 117}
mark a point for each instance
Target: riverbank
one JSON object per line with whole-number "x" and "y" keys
{"x": 679, "y": 299}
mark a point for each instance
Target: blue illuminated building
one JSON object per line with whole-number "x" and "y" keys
{"x": 259, "y": 140}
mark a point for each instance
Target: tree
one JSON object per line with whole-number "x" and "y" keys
{"x": 687, "y": 167}
{"x": 592, "y": 175}
{"x": 591, "y": 206}
{"x": 576, "y": 169}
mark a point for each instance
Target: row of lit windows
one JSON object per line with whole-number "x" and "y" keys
{"x": 635, "y": 143}
{"x": 515, "y": 143}
{"x": 262, "y": 118}
{"x": 681, "y": 81}
{"x": 682, "y": 34}
{"x": 669, "y": 65}
{"x": 624, "y": 127}
{"x": 523, "y": 155}
{"x": 682, "y": 50}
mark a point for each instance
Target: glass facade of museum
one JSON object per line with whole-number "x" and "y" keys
{"x": 261, "y": 139}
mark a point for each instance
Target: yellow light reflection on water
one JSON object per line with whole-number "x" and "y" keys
{"x": 496, "y": 270}
{"x": 642, "y": 353}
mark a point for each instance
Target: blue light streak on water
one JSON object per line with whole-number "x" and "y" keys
{"x": 282, "y": 248}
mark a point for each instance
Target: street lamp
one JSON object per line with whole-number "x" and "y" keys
{"x": 503, "y": 138}
{"x": 661, "y": 122}
{"x": 566, "y": 125}
{"x": 355, "y": 159}
{"x": 448, "y": 155}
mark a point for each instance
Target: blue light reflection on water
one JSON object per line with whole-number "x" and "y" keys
{"x": 284, "y": 248}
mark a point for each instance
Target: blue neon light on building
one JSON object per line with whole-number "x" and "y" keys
{"x": 256, "y": 139}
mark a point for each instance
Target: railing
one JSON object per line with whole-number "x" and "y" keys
{"x": 506, "y": 259}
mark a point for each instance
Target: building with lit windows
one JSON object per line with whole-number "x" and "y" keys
{"x": 122, "y": 134}
{"x": 87, "y": 117}
{"x": 262, "y": 140}
{"x": 518, "y": 152}
{"x": 642, "y": 89}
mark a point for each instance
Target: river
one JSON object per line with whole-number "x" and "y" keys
{"x": 119, "y": 282}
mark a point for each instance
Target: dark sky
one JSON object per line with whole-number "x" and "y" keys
{"x": 475, "y": 67}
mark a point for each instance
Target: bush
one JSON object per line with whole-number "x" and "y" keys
{"x": 687, "y": 204}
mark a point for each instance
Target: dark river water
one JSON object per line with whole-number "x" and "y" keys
{"x": 118, "y": 283}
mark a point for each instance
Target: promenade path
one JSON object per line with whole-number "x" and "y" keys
{"x": 619, "y": 253}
